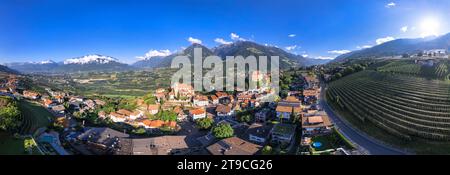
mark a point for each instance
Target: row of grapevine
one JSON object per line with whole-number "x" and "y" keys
{"x": 403, "y": 106}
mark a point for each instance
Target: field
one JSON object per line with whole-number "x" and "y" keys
{"x": 111, "y": 84}
{"x": 34, "y": 117}
{"x": 408, "y": 111}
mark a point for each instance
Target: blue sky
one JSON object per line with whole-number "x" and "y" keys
{"x": 35, "y": 30}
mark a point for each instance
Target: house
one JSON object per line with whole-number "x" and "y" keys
{"x": 311, "y": 92}
{"x": 161, "y": 96}
{"x": 151, "y": 124}
{"x": 221, "y": 94}
{"x": 77, "y": 98}
{"x": 197, "y": 113}
{"x": 31, "y": 94}
{"x": 311, "y": 112}
{"x": 124, "y": 112}
{"x": 310, "y": 95}
{"x": 314, "y": 125}
{"x": 311, "y": 81}
{"x": 214, "y": 99}
{"x": 257, "y": 133}
{"x": 116, "y": 117}
{"x": 288, "y": 107}
{"x": 63, "y": 121}
{"x": 160, "y": 90}
{"x": 48, "y": 103}
{"x": 435, "y": 53}
{"x": 171, "y": 124}
{"x": 201, "y": 100}
{"x": 244, "y": 96}
{"x": 306, "y": 141}
{"x": 163, "y": 145}
{"x": 4, "y": 89}
{"x": 75, "y": 105}
{"x": 59, "y": 99}
{"x": 181, "y": 115}
{"x": 90, "y": 104}
{"x": 136, "y": 114}
{"x": 59, "y": 109}
{"x": 283, "y": 133}
{"x": 183, "y": 90}
{"x": 261, "y": 116}
{"x": 153, "y": 109}
{"x": 102, "y": 140}
{"x": 286, "y": 112}
{"x": 233, "y": 146}
{"x": 171, "y": 95}
{"x": 100, "y": 102}
{"x": 224, "y": 111}
{"x": 102, "y": 114}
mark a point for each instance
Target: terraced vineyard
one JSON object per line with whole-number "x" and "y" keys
{"x": 34, "y": 117}
{"x": 436, "y": 69}
{"x": 405, "y": 106}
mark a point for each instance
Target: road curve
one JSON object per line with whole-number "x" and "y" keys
{"x": 372, "y": 146}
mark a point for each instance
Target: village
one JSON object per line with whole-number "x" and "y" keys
{"x": 180, "y": 121}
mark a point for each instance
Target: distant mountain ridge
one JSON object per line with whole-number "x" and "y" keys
{"x": 99, "y": 63}
{"x": 399, "y": 47}
{"x": 6, "y": 69}
{"x": 88, "y": 63}
{"x": 239, "y": 48}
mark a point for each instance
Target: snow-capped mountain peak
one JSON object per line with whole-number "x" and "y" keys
{"x": 154, "y": 53}
{"x": 47, "y": 62}
{"x": 99, "y": 59}
{"x": 40, "y": 62}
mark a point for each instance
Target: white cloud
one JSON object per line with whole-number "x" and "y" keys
{"x": 194, "y": 40}
{"x": 289, "y": 48}
{"x": 363, "y": 47}
{"x": 404, "y": 29}
{"x": 385, "y": 39}
{"x": 292, "y": 35}
{"x": 222, "y": 41}
{"x": 235, "y": 37}
{"x": 324, "y": 58}
{"x": 340, "y": 52}
{"x": 305, "y": 55}
{"x": 391, "y": 4}
{"x": 155, "y": 53}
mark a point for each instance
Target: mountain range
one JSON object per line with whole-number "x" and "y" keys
{"x": 242, "y": 48}
{"x": 88, "y": 63}
{"x": 101, "y": 63}
{"x": 399, "y": 47}
{"x": 4, "y": 69}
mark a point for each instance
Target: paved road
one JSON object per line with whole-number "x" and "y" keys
{"x": 370, "y": 145}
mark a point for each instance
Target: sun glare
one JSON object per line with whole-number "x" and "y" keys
{"x": 429, "y": 27}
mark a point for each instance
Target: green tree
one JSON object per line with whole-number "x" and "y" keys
{"x": 168, "y": 115}
{"x": 149, "y": 99}
{"x": 79, "y": 115}
{"x": 223, "y": 130}
{"x": 267, "y": 150}
{"x": 204, "y": 123}
{"x": 9, "y": 114}
{"x": 29, "y": 145}
{"x": 338, "y": 75}
{"x": 245, "y": 118}
{"x": 128, "y": 104}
